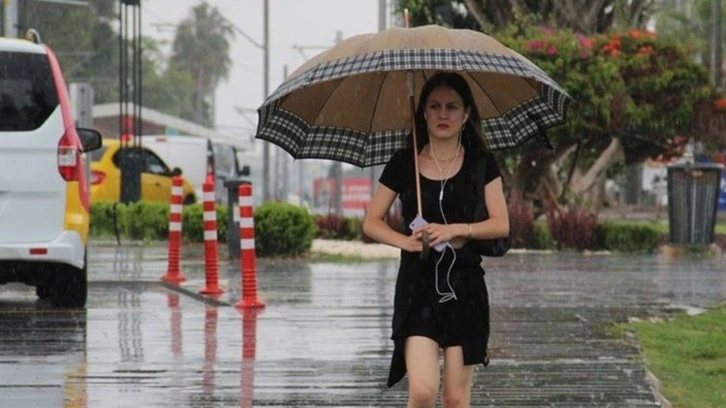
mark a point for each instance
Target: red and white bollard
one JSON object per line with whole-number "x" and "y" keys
{"x": 248, "y": 257}
{"x": 211, "y": 262}
{"x": 173, "y": 273}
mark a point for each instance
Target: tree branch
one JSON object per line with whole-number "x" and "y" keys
{"x": 612, "y": 154}
{"x": 476, "y": 11}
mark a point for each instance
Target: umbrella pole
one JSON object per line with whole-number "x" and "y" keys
{"x": 412, "y": 103}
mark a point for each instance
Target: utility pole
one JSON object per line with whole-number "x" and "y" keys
{"x": 285, "y": 185}
{"x": 382, "y": 25}
{"x": 130, "y": 99}
{"x": 10, "y": 18}
{"x": 337, "y": 167}
{"x": 716, "y": 46}
{"x": 266, "y": 145}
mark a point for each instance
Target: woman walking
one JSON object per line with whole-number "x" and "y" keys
{"x": 441, "y": 303}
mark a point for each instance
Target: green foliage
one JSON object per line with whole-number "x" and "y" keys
{"x": 104, "y": 218}
{"x": 193, "y": 222}
{"x": 283, "y": 229}
{"x": 621, "y": 84}
{"x": 146, "y": 221}
{"x": 629, "y": 237}
{"x": 201, "y": 48}
{"x": 542, "y": 237}
{"x": 332, "y": 226}
{"x": 688, "y": 356}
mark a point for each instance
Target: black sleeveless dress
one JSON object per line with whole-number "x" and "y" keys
{"x": 418, "y": 309}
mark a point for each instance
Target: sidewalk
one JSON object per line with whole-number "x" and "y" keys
{"x": 322, "y": 340}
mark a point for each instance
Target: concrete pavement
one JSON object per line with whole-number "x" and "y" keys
{"x": 323, "y": 338}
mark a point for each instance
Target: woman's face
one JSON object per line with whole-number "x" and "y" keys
{"x": 445, "y": 113}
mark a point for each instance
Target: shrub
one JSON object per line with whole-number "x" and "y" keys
{"x": 543, "y": 237}
{"x": 521, "y": 223}
{"x": 283, "y": 229}
{"x": 146, "y": 221}
{"x": 330, "y": 226}
{"x": 193, "y": 222}
{"x": 629, "y": 237}
{"x": 573, "y": 228}
{"x": 105, "y": 218}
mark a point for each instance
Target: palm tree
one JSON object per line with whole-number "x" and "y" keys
{"x": 201, "y": 47}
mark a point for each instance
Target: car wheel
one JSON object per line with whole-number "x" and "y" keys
{"x": 189, "y": 200}
{"x": 42, "y": 289}
{"x": 70, "y": 287}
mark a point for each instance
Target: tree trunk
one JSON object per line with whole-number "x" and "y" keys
{"x": 611, "y": 155}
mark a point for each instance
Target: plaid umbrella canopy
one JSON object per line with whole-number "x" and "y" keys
{"x": 351, "y": 102}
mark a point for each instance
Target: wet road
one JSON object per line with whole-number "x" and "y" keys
{"x": 323, "y": 338}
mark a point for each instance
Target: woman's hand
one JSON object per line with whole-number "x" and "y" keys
{"x": 439, "y": 233}
{"x": 412, "y": 243}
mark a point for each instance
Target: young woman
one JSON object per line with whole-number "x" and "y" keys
{"x": 441, "y": 303}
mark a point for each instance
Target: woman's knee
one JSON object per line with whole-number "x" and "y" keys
{"x": 422, "y": 394}
{"x": 456, "y": 396}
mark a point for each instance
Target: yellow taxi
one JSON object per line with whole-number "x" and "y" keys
{"x": 156, "y": 175}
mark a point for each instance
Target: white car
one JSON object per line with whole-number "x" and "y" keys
{"x": 44, "y": 194}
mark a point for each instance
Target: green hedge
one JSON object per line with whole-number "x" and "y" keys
{"x": 629, "y": 237}
{"x": 288, "y": 230}
{"x": 283, "y": 229}
{"x": 280, "y": 229}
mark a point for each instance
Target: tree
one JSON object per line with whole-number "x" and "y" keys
{"x": 166, "y": 87}
{"x": 87, "y": 46}
{"x": 201, "y": 47}
{"x": 692, "y": 23}
{"x": 583, "y": 16}
{"x": 83, "y": 40}
{"x": 636, "y": 96}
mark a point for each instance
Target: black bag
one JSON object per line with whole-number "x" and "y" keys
{"x": 487, "y": 247}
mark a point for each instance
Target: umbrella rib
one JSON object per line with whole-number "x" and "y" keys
{"x": 375, "y": 105}
{"x": 486, "y": 92}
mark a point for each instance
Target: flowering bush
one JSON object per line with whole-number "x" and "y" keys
{"x": 632, "y": 85}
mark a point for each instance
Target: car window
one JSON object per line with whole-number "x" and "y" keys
{"x": 154, "y": 164}
{"x": 225, "y": 162}
{"x": 97, "y": 154}
{"x": 27, "y": 91}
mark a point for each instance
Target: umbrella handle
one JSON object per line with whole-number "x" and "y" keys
{"x": 426, "y": 247}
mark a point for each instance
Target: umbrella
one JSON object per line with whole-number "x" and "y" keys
{"x": 353, "y": 102}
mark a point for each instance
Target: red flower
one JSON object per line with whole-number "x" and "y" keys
{"x": 720, "y": 104}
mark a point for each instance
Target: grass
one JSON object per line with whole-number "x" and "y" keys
{"x": 688, "y": 355}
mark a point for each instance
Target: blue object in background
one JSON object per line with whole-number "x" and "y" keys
{"x": 722, "y": 193}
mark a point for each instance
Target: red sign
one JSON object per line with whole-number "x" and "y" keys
{"x": 356, "y": 195}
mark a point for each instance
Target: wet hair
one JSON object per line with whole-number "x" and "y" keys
{"x": 471, "y": 134}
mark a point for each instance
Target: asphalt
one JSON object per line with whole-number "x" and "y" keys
{"x": 322, "y": 338}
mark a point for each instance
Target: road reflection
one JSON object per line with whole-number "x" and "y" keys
{"x": 42, "y": 353}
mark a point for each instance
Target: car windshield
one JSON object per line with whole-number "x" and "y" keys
{"x": 27, "y": 91}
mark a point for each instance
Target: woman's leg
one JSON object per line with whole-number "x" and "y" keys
{"x": 422, "y": 365}
{"x": 457, "y": 379}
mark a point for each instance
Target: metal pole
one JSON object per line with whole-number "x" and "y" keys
{"x": 285, "y": 187}
{"x": 337, "y": 167}
{"x": 266, "y": 145}
{"x": 382, "y": 14}
{"x": 10, "y": 18}
{"x": 716, "y": 55}
{"x": 382, "y": 25}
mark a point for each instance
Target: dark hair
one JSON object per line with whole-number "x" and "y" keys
{"x": 471, "y": 134}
